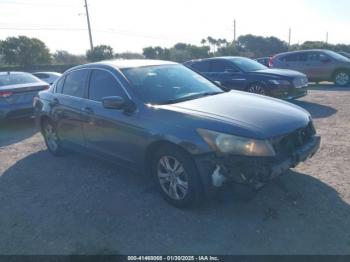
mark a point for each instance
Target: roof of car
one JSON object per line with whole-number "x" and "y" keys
{"x": 212, "y": 58}
{"x": 50, "y": 73}
{"x": 12, "y": 73}
{"x": 303, "y": 51}
{"x": 129, "y": 63}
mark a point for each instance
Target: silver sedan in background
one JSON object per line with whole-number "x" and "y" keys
{"x": 48, "y": 77}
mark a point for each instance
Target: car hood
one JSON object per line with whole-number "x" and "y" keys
{"x": 278, "y": 73}
{"x": 261, "y": 116}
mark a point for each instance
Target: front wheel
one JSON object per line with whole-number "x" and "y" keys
{"x": 256, "y": 89}
{"x": 51, "y": 138}
{"x": 342, "y": 78}
{"x": 177, "y": 177}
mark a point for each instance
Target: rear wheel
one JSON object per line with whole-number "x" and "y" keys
{"x": 51, "y": 138}
{"x": 341, "y": 78}
{"x": 256, "y": 88}
{"x": 177, "y": 177}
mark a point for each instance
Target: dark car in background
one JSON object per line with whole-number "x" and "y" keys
{"x": 17, "y": 90}
{"x": 264, "y": 61}
{"x": 318, "y": 65}
{"x": 245, "y": 74}
{"x": 346, "y": 54}
{"x": 48, "y": 77}
{"x": 167, "y": 120}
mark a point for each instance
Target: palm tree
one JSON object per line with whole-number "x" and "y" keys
{"x": 203, "y": 41}
{"x": 211, "y": 42}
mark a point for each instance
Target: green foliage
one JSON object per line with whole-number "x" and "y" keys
{"x": 129, "y": 55}
{"x": 24, "y": 51}
{"x": 99, "y": 53}
{"x": 62, "y": 57}
{"x": 258, "y": 46}
{"x": 181, "y": 52}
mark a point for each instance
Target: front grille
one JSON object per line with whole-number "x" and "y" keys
{"x": 286, "y": 144}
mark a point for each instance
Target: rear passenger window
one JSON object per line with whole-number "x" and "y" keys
{"x": 75, "y": 83}
{"x": 59, "y": 85}
{"x": 291, "y": 58}
{"x": 220, "y": 66}
{"x": 103, "y": 84}
{"x": 202, "y": 66}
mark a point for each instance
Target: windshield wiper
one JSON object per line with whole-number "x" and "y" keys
{"x": 191, "y": 97}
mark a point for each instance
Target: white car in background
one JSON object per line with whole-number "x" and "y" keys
{"x": 48, "y": 77}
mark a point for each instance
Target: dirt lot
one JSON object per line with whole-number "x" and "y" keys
{"x": 80, "y": 205}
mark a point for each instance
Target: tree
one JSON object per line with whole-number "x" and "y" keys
{"x": 25, "y": 51}
{"x": 258, "y": 46}
{"x": 99, "y": 53}
{"x": 62, "y": 57}
{"x": 129, "y": 55}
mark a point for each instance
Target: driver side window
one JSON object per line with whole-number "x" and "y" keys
{"x": 219, "y": 66}
{"x": 103, "y": 84}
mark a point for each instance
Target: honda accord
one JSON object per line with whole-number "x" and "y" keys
{"x": 165, "y": 119}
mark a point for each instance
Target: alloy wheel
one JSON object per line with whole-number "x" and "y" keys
{"x": 342, "y": 78}
{"x": 51, "y": 137}
{"x": 256, "y": 89}
{"x": 172, "y": 177}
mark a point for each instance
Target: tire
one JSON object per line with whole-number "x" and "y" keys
{"x": 256, "y": 88}
{"x": 342, "y": 78}
{"x": 177, "y": 177}
{"x": 52, "y": 141}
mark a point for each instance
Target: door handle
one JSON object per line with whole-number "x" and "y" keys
{"x": 87, "y": 110}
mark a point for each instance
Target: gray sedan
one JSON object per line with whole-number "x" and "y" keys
{"x": 171, "y": 122}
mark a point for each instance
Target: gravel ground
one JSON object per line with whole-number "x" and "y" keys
{"x": 79, "y": 205}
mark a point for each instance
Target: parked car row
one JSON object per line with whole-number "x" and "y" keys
{"x": 317, "y": 65}
{"x": 17, "y": 90}
{"x": 248, "y": 75}
{"x": 189, "y": 133}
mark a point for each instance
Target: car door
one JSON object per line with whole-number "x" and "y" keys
{"x": 108, "y": 131}
{"x": 293, "y": 62}
{"x": 317, "y": 65}
{"x": 66, "y": 107}
{"x": 227, "y": 74}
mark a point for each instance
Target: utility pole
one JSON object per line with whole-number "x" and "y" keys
{"x": 234, "y": 31}
{"x": 289, "y": 36}
{"x": 89, "y": 26}
{"x": 327, "y": 38}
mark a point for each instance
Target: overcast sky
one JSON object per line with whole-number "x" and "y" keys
{"x": 130, "y": 25}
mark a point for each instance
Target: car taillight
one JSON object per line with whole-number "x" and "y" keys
{"x": 270, "y": 61}
{"x": 46, "y": 87}
{"x": 5, "y": 94}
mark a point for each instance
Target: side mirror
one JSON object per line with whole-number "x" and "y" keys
{"x": 113, "y": 102}
{"x": 119, "y": 103}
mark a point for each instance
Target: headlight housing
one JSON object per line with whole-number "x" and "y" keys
{"x": 280, "y": 82}
{"x": 230, "y": 144}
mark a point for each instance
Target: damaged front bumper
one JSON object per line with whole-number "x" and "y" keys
{"x": 252, "y": 171}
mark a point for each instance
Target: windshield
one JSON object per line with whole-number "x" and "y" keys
{"x": 337, "y": 56}
{"x": 247, "y": 65}
{"x": 16, "y": 79}
{"x": 166, "y": 84}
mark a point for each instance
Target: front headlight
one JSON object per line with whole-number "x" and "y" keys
{"x": 280, "y": 82}
{"x": 225, "y": 143}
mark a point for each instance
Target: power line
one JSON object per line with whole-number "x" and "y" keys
{"x": 35, "y": 4}
{"x": 42, "y": 29}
